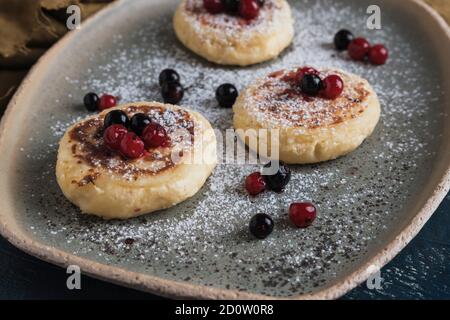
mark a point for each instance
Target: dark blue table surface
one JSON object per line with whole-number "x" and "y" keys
{"x": 420, "y": 271}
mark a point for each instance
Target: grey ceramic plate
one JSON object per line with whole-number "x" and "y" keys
{"x": 371, "y": 202}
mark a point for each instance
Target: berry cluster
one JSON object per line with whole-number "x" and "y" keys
{"x": 359, "y": 49}
{"x": 258, "y": 182}
{"x": 247, "y": 9}
{"x": 301, "y": 214}
{"x": 312, "y": 84}
{"x": 171, "y": 89}
{"x": 131, "y": 136}
{"x": 93, "y": 102}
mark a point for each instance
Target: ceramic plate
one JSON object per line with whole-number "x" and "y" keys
{"x": 371, "y": 203}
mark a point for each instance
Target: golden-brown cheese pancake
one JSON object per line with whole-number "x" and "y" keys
{"x": 311, "y": 129}
{"x": 104, "y": 183}
{"x": 231, "y": 40}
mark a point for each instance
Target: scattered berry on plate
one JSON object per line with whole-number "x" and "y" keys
{"x": 154, "y": 135}
{"x": 255, "y": 183}
{"x": 311, "y": 84}
{"x": 302, "y": 214}
{"x": 358, "y": 49}
{"x": 168, "y": 76}
{"x": 139, "y": 122}
{"x": 378, "y": 54}
{"x": 226, "y": 95}
{"x": 131, "y": 146}
{"x": 261, "y": 225}
{"x": 91, "y": 101}
{"x": 249, "y": 9}
{"x": 279, "y": 180}
{"x": 107, "y": 101}
{"x": 113, "y": 135}
{"x": 116, "y": 117}
{"x": 214, "y": 6}
{"x": 231, "y": 6}
{"x": 332, "y": 87}
{"x": 342, "y": 39}
{"x": 172, "y": 92}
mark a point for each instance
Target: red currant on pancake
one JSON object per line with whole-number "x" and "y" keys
{"x": 333, "y": 87}
{"x": 132, "y": 146}
{"x": 249, "y": 9}
{"x": 113, "y": 135}
{"x": 154, "y": 135}
{"x": 214, "y": 6}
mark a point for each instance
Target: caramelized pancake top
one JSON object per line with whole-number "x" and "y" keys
{"x": 226, "y": 21}
{"x": 87, "y": 145}
{"x": 278, "y": 100}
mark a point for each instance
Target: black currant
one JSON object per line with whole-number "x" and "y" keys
{"x": 231, "y": 6}
{"x": 261, "y": 225}
{"x": 138, "y": 123}
{"x": 226, "y": 95}
{"x": 116, "y": 117}
{"x": 172, "y": 92}
{"x": 311, "y": 84}
{"x": 168, "y": 76}
{"x": 342, "y": 39}
{"x": 278, "y": 180}
{"x": 91, "y": 101}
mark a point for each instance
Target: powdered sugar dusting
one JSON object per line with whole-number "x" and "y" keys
{"x": 276, "y": 101}
{"x": 86, "y": 143}
{"x": 225, "y": 26}
{"x": 205, "y": 240}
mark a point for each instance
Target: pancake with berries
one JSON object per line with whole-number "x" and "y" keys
{"x": 319, "y": 115}
{"x": 235, "y": 32}
{"x": 134, "y": 159}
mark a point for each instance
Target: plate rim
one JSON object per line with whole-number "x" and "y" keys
{"x": 180, "y": 289}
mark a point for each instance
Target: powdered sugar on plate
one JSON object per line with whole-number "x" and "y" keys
{"x": 205, "y": 240}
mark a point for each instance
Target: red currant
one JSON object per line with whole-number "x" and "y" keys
{"x": 358, "y": 49}
{"x": 302, "y": 214}
{"x": 154, "y": 135}
{"x": 132, "y": 146}
{"x": 378, "y": 54}
{"x": 249, "y": 9}
{"x": 113, "y": 135}
{"x": 255, "y": 184}
{"x": 106, "y": 101}
{"x": 214, "y": 6}
{"x": 333, "y": 87}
